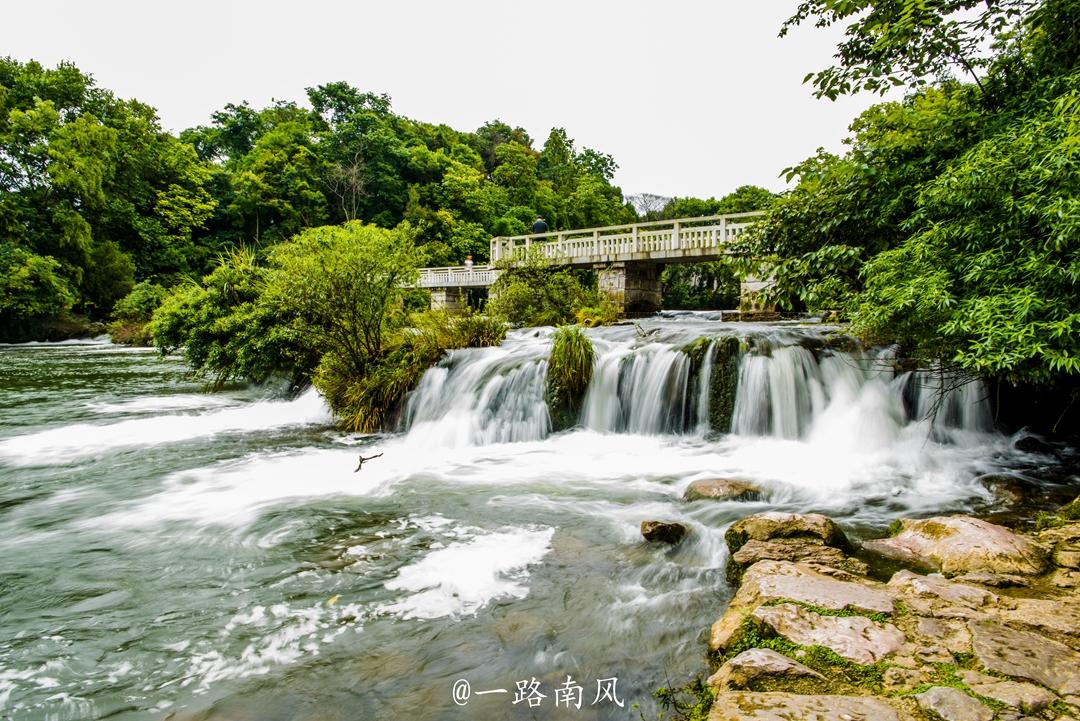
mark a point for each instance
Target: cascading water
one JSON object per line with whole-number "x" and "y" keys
{"x": 641, "y": 386}
{"x": 479, "y": 543}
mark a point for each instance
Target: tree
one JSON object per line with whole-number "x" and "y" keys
{"x": 907, "y": 42}
{"x": 339, "y": 286}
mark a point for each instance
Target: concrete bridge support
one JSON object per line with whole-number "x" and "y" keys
{"x": 450, "y": 299}
{"x": 635, "y": 287}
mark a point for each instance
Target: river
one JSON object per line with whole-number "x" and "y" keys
{"x": 174, "y": 554}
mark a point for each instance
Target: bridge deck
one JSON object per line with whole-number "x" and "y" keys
{"x": 664, "y": 241}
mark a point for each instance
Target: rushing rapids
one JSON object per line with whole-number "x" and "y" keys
{"x": 218, "y": 555}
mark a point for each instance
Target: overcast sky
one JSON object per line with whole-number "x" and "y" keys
{"x": 692, "y": 98}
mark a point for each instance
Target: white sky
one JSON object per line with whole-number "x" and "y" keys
{"x": 691, "y": 97}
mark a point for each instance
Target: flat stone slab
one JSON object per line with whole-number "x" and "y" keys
{"x": 855, "y": 638}
{"x": 783, "y": 581}
{"x": 755, "y": 663}
{"x": 952, "y": 704}
{"x": 1025, "y": 696}
{"x": 1021, "y": 654}
{"x": 1054, "y": 616}
{"x": 956, "y": 545}
{"x": 747, "y": 706}
{"x": 791, "y": 550}
{"x": 774, "y": 525}
{"x": 913, "y": 584}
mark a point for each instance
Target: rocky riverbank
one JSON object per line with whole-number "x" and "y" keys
{"x": 949, "y": 618}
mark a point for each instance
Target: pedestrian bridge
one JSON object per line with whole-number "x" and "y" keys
{"x": 629, "y": 257}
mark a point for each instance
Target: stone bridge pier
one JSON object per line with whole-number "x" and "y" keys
{"x": 634, "y": 287}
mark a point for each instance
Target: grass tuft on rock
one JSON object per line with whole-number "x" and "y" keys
{"x": 570, "y": 368}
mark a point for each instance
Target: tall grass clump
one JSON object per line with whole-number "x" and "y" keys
{"x": 570, "y": 368}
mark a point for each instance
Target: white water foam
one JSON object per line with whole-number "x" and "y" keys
{"x": 67, "y": 443}
{"x": 153, "y": 404}
{"x": 466, "y": 575}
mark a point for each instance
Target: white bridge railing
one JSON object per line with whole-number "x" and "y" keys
{"x": 657, "y": 240}
{"x": 457, "y": 276}
{"x": 685, "y": 239}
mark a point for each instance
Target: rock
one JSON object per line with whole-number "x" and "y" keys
{"x": 782, "y": 581}
{"x": 1033, "y": 444}
{"x": 955, "y": 545}
{"x": 952, "y": 704}
{"x": 1057, "y": 616}
{"x": 933, "y": 654}
{"x": 856, "y": 638}
{"x": 913, "y": 584}
{"x": 790, "y": 550}
{"x": 1026, "y": 655}
{"x": 1067, "y": 556}
{"x": 740, "y": 671}
{"x": 773, "y": 525}
{"x": 747, "y": 706}
{"x": 1007, "y": 487}
{"x": 722, "y": 489}
{"x": 902, "y": 679}
{"x": 1025, "y": 696}
{"x": 951, "y": 634}
{"x": 663, "y": 531}
{"x": 995, "y": 580}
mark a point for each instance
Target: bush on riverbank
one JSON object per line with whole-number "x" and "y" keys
{"x": 327, "y": 307}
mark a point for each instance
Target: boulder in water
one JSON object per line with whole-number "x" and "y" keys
{"x": 721, "y": 489}
{"x": 775, "y": 525}
{"x": 956, "y": 545}
{"x": 663, "y": 531}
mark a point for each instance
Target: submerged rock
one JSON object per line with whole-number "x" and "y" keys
{"x": 780, "y": 581}
{"x": 747, "y": 706}
{"x": 742, "y": 670}
{"x": 774, "y": 525}
{"x": 722, "y": 489}
{"x": 790, "y": 550}
{"x": 855, "y": 638}
{"x": 663, "y": 531}
{"x": 952, "y": 704}
{"x": 1021, "y": 654}
{"x": 955, "y": 545}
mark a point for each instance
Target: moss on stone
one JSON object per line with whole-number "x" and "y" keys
{"x": 723, "y": 383}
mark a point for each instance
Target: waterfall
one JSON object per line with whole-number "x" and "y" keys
{"x": 790, "y": 386}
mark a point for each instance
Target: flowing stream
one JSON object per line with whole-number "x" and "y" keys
{"x": 172, "y": 554}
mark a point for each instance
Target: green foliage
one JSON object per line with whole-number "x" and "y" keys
{"x": 227, "y": 330}
{"x": 989, "y": 279}
{"x": 906, "y": 42}
{"x": 570, "y": 368}
{"x": 533, "y": 292}
{"x": 31, "y": 288}
{"x": 691, "y": 702}
{"x": 712, "y": 285}
{"x": 140, "y": 303}
{"x": 339, "y": 288}
{"x": 604, "y": 312}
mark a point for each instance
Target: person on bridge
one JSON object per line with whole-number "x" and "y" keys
{"x": 468, "y": 262}
{"x": 539, "y": 226}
